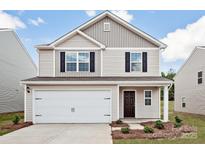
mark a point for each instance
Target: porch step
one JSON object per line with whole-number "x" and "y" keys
{"x": 136, "y": 121}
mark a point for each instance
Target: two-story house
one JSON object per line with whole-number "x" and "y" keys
{"x": 102, "y": 71}
{"x": 15, "y": 65}
{"x": 189, "y": 84}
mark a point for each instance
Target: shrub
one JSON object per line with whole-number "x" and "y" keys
{"x": 125, "y": 130}
{"x": 16, "y": 119}
{"x": 148, "y": 129}
{"x": 178, "y": 120}
{"x": 177, "y": 125}
{"x": 119, "y": 121}
{"x": 159, "y": 124}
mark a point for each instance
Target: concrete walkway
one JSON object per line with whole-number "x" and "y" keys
{"x": 60, "y": 134}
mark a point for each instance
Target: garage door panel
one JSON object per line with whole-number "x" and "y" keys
{"x": 72, "y": 106}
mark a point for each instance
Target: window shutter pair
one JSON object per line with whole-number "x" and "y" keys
{"x": 127, "y": 62}
{"x": 62, "y": 61}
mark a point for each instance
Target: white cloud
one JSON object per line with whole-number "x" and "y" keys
{"x": 123, "y": 14}
{"x": 36, "y": 22}
{"x": 91, "y": 13}
{"x": 182, "y": 41}
{"x": 10, "y": 21}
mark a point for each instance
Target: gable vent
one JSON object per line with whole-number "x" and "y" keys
{"x": 106, "y": 26}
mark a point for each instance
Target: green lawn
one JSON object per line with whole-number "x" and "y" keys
{"x": 191, "y": 119}
{"x": 6, "y": 119}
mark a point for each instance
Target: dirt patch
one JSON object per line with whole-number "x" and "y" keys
{"x": 168, "y": 132}
{"x": 12, "y": 127}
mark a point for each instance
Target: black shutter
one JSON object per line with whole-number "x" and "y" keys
{"x": 144, "y": 62}
{"x": 62, "y": 61}
{"x": 92, "y": 61}
{"x": 127, "y": 61}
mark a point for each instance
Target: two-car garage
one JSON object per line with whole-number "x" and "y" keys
{"x": 72, "y": 106}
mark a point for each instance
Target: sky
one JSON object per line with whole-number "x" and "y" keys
{"x": 180, "y": 30}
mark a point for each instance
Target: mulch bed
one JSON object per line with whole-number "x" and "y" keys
{"x": 168, "y": 132}
{"x": 12, "y": 127}
{"x": 114, "y": 124}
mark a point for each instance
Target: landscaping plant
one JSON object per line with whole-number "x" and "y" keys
{"x": 16, "y": 119}
{"x": 125, "y": 130}
{"x": 159, "y": 124}
{"x": 148, "y": 129}
{"x": 119, "y": 121}
{"x": 178, "y": 122}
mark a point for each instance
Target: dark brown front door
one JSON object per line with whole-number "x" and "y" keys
{"x": 129, "y": 103}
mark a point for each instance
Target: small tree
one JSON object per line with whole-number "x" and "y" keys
{"x": 169, "y": 75}
{"x": 16, "y": 119}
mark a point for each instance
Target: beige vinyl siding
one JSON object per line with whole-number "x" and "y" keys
{"x": 186, "y": 85}
{"x": 15, "y": 65}
{"x": 118, "y": 36}
{"x": 29, "y": 99}
{"x": 28, "y": 106}
{"x": 46, "y": 63}
{"x": 142, "y": 111}
{"x": 114, "y": 63}
{"x": 77, "y": 74}
{"x": 77, "y": 41}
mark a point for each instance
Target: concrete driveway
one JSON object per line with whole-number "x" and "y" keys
{"x": 60, "y": 134}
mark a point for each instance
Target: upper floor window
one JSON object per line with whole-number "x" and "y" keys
{"x": 77, "y": 61}
{"x": 136, "y": 62}
{"x": 148, "y": 97}
{"x": 200, "y": 77}
{"x": 106, "y": 26}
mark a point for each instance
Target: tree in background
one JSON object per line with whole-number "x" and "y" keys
{"x": 169, "y": 75}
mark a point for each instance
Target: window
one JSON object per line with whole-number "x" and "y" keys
{"x": 77, "y": 61}
{"x": 183, "y": 102}
{"x": 148, "y": 97}
{"x": 71, "y": 59}
{"x": 200, "y": 77}
{"x": 106, "y": 27}
{"x": 136, "y": 62}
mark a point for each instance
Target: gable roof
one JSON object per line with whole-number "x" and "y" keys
{"x": 17, "y": 43}
{"x": 96, "y": 19}
{"x": 186, "y": 61}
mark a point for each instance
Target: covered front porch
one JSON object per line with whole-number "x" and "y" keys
{"x": 141, "y": 103}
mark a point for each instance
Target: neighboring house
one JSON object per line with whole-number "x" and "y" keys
{"x": 189, "y": 84}
{"x": 15, "y": 65}
{"x": 104, "y": 70}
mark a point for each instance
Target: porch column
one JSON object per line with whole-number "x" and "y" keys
{"x": 166, "y": 104}
{"x": 118, "y": 102}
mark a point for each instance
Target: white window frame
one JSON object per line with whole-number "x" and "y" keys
{"x": 77, "y": 60}
{"x": 147, "y": 97}
{"x": 199, "y": 78}
{"x": 135, "y": 61}
{"x": 106, "y": 30}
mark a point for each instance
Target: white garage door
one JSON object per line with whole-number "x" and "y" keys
{"x": 72, "y": 106}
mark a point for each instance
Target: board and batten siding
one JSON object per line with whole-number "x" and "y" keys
{"x": 118, "y": 36}
{"x": 77, "y": 74}
{"x": 15, "y": 65}
{"x": 29, "y": 97}
{"x": 77, "y": 41}
{"x": 141, "y": 110}
{"x": 114, "y": 63}
{"x": 186, "y": 85}
{"x": 46, "y": 63}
